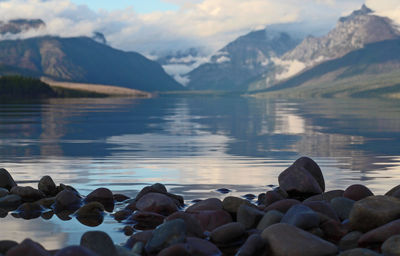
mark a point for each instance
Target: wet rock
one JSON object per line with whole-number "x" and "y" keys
{"x": 138, "y": 248}
{"x": 301, "y": 216}
{"x": 29, "y": 210}
{"x": 231, "y": 204}
{"x": 357, "y": 192}
{"x": 47, "y": 186}
{"x": 342, "y": 207}
{"x": 322, "y": 207}
{"x": 160, "y": 188}
{"x": 374, "y": 211}
{"x": 272, "y": 197}
{"x": 47, "y": 215}
{"x": 122, "y": 215}
{"x": 165, "y": 235}
{"x": 223, "y": 190}
{"x": 91, "y": 214}
{"x": 249, "y": 197}
{"x": 254, "y": 245}
{"x": 6, "y": 181}
{"x": 228, "y": 233}
{"x": 103, "y": 196}
{"x": 28, "y": 248}
{"x": 3, "y": 192}
{"x": 146, "y": 220}
{"x": 158, "y": 203}
{"x": 75, "y": 250}
{"x": 28, "y": 194}
{"x": 47, "y": 202}
{"x": 350, "y": 241}
{"x": 211, "y": 204}
{"x": 139, "y": 237}
{"x": 193, "y": 225}
{"x": 359, "y": 252}
{"x": 174, "y": 250}
{"x": 380, "y": 234}
{"x": 391, "y": 247}
{"x": 10, "y": 201}
{"x": 209, "y": 220}
{"x": 67, "y": 200}
{"x": 284, "y": 239}
{"x": 120, "y": 198}
{"x": 269, "y": 218}
{"x": 99, "y": 242}
{"x": 282, "y": 205}
{"x": 249, "y": 216}
{"x": 202, "y": 247}
{"x": 326, "y": 196}
{"x": 6, "y": 245}
{"x": 128, "y": 230}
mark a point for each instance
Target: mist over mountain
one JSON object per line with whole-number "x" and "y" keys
{"x": 20, "y": 25}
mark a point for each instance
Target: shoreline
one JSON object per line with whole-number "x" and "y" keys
{"x": 157, "y": 222}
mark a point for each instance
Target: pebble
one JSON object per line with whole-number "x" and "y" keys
{"x": 231, "y": 204}
{"x": 103, "y": 196}
{"x": 380, "y": 234}
{"x": 193, "y": 225}
{"x": 211, "y": 204}
{"x": 209, "y": 220}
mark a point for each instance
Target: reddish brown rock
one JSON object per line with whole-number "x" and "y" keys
{"x": 211, "y": 204}
{"x": 103, "y": 196}
{"x": 193, "y": 225}
{"x": 209, "y": 220}
{"x": 146, "y": 220}
{"x": 158, "y": 203}
{"x": 380, "y": 234}
{"x": 326, "y": 196}
{"x": 227, "y": 233}
{"x": 282, "y": 205}
{"x": 120, "y": 197}
{"x": 357, "y": 192}
{"x": 298, "y": 182}
{"x": 333, "y": 230}
{"x": 322, "y": 207}
{"x": 312, "y": 167}
{"x": 122, "y": 215}
{"x": 272, "y": 197}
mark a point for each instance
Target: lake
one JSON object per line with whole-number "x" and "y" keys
{"x": 194, "y": 145}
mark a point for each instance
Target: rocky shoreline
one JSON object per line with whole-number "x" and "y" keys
{"x": 297, "y": 218}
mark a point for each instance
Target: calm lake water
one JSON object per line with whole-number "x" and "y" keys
{"x": 194, "y": 145}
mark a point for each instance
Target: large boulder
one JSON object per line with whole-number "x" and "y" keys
{"x": 284, "y": 239}
{"x": 6, "y": 181}
{"x": 374, "y": 211}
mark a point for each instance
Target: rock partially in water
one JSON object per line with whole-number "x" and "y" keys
{"x": 3, "y": 192}
{"x": 139, "y": 237}
{"x": 10, "y": 201}
{"x": 67, "y": 200}
{"x": 75, "y": 251}
{"x": 146, "y": 220}
{"x": 99, "y": 242}
{"x": 47, "y": 186}
{"x": 28, "y": 247}
{"x": 210, "y": 204}
{"x": 301, "y": 216}
{"x": 6, "y": 245}
{"x": 284, "y": 239}
{"x": 47, "y": 202}
{"x": 165, "y": 235}
{"x": 103, "y": 196}
{"x": 374, "y": 211}
{"x": 120, "y": 197}
{"x": 160, "y": 188}
{"x": 158, "y": 203}
{"x": 28, "y": 194}
{"x": 357, "y": 192}
{"x": 122, "y": 215}
{"x": 29, "y": 210}
{"x": 223, "y": 190}
{"x": 91, "y": 214}
{"x": 6, "y": 181}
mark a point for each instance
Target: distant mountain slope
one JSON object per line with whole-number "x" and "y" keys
{"x": 235, "y": 65}
{"x": 351, "y": 33}
{"x": 83, "y": 60}
{"x": 371, "y": 70}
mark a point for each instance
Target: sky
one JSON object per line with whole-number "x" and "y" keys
{"x": 155, "y": 26}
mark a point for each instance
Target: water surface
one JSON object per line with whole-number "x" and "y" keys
{"x": 194, "y": 145}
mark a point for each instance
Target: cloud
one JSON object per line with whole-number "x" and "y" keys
{"x": 389, "y": 8}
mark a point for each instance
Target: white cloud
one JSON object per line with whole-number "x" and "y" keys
{"x": 389, "y": 8}
{"x": 223, "y": 59}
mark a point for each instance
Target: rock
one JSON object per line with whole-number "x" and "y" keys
{"x": 10, "y": 201}
{"x": 284, "y": 239}
{"x": 146, "y": 220}
{"x": 91, "y": 214}
{"x": 272, "y": 197}
{"x": 74, "y": 251}
{"x": 298, "y": 182}
{"x": 3, "y": 192}
{"x": 391, "y": 247}
{"x": 301, "y": 216}
{"x": 160, "y": 188}
{"x": 393, "y": 191}
{"x": 223, "y": 190}
{"x": 28, "y": 248}
{"x": 47, "y": 202}
{"x": 122, "y": 215}
{"x": 47, "y": 186}
{"x": 6, "y": 181}
{"x": 269, "y": 218}
{"x": 211, "y": 204}
{"x": 323, "y": 208}
{"x": 357, "y": 192}
{"x": 29, "y": 210}
{"x": 209, "y": 220}
{"x": 254, "y": 245}
{"x": 138, "y": 248}
{"x": 120, "y": 198}
{"x": 174, "y": 250}
{"x": 123, "y": 251}
{"x": 374, "y": 211}
{"x": 231, "y": 204}
{"x": 193, "y": 225}
{"x": 128, "y": 230}
{"x": 249, "y": 216}
{"x": 359, "y": 252}
{"x": 165, "y": 235}
{"x": 158, "y": 203}
{"x": 99, "y": 242}
{"x": 67, "y": 200}
{"x": 202, "y": 247}
{"x": 139, "y": 237}
{"x": 342, "y": 207}
{"x": 228, "y": 233}
{"x": 6, "y": 245}
{"x": 103, "y": 196}
{"x": 313, "y": 168}
{"x": 28, "y": 194}
{"x": 333, "y": 230}
{"x": 350, "y": 241}
{"x": 282, "y": 205}
{"x": 326, "y": 196}
{"x": 380, "y": 234}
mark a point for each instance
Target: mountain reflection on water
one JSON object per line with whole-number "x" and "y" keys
{"x": 194, "y": 145}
